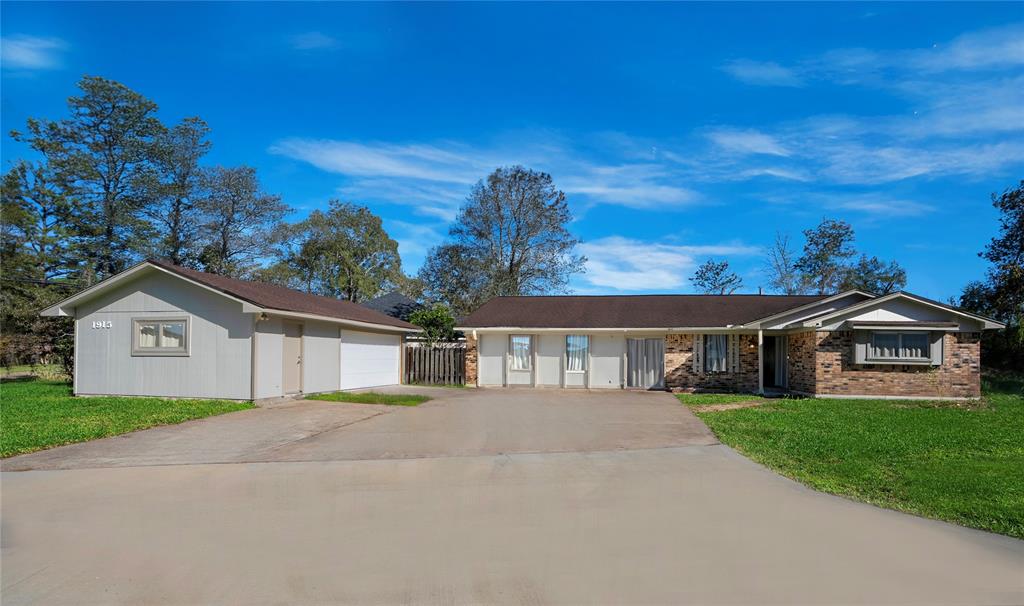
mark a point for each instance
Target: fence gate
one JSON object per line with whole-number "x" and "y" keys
{"x": 438, "y": 364}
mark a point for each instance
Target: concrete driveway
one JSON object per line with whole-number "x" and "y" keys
{"x": 467, "y": 499}
{"x": 457, "y": 422}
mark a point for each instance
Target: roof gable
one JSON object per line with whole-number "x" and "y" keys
{"x": 897, "y": 306}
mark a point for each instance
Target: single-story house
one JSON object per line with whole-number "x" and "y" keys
{"x": 853, "y": 344}
{"x": 157, "y": 329}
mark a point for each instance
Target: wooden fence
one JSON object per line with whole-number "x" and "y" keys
{"x": 440, "y": 364}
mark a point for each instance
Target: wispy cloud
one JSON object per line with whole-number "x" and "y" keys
{"x": 747, "y": 142}
{"x": 978, "y": 51}
{"x": 21, "y": 52}
{"x": 762, "y": 73}
{"x": 625, "y": 264}
{"x": 309, "y": 41}
{"x": 436, "y": 177}
{"x": 411, "y": 161}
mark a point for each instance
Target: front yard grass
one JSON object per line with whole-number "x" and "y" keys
{"x": 959, "y": 462}
{"x": 370, "y": 397}
{"x": 711, "y": 399}
{"x": 37, "y": 414}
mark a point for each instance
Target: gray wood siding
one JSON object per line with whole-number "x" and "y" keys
{"x": 321, "y": 357}
{"x": 220, "y": 343}
{"x": 269, "y": 351}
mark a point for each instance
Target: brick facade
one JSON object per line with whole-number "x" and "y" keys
{"x": 471, "y": 360}
{"x": 680, "y": 375}
{"x": 835, "y": 374}
{"x": 802, "y": 362}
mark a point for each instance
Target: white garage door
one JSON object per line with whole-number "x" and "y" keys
{"x": 369, "y": 359}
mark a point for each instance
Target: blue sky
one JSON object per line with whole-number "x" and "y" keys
{"x": 678, "y": 131}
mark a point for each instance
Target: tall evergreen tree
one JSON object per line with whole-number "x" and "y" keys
{"x": 827, "y": 249}
{"x": 715, "y": 278}
{"x": 175, "y": 189}
{"x": 237, "y": 221}
{"x": 102, "y": 157}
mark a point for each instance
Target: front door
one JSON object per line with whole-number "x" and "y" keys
{"x": 645, "y": 363}
{"x": 774, "y": 359}
{"x": 292, "y": 357}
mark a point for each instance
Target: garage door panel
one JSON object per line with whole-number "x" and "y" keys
{"x": 369, "y": 359}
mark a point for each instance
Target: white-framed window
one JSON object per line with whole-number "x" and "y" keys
{"x": 160, "y": 336}
{"x": 521, "y": 347}
{"x": 909, "y": 346}
{"x": 716, "y": 353}
{"x": 576, "y": 349}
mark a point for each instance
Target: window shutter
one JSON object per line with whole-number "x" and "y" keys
{"x": 937, "y": 339}
{"x": 861, "y": 342}
{"x": 698, "y": 353}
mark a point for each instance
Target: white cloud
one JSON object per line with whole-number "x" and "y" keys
{"x": 989, "y": 48}
{"x": 747, "y": 142}
{"x": 312, "y": 41}
{"x": 625, "y": 264}
{"x": 762, "y": 73}
{"x": 436, "y": 177}
{"x": 429, "y": 199}
{"x": 424, "y": 162}
{"x": 31, "y": 52}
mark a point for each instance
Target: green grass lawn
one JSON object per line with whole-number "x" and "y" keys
{"x": 704, "y": 399}
{"x": 370, "y": 397}
{"x": 37, "y": 414}
{"x": 960, "y": 462}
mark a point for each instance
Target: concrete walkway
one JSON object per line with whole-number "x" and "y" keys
{"x": 664, "y": 524}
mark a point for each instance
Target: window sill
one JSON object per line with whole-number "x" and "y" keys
{"x": 576, "y": 372}
{"x": 160, "y": 354}
{"x": 899, "y": 362}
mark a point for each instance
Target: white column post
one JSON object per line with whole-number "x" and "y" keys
{"x": 760, "y": 361}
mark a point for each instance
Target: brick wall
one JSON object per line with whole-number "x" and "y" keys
{"x": 680, "y": 376}
{"x": 836, "y": 374}
{"x": 801, "y": 359}
{"x": 471, "y": 360}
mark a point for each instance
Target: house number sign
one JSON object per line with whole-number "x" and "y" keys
{"x": 102, "y": 324}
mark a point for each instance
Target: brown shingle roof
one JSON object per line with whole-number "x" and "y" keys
{"x": 631, "y": 311}
{"x": 284, "y": 299}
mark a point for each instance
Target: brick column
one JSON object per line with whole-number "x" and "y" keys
{"x": 471, "y": 360}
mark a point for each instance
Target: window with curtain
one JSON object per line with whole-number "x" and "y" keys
{"x": 521, "y": 352}
{"x": 160, "y": 337}
{"x": 576, "y": 347}
{"x": 715, "y": 353}
{"x": 900, "y": 346}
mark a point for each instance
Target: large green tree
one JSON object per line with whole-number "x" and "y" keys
{"x": 175, "y": 187}
{"x": 511, "y": 237}
{"x": 101, "y": 156}
{"x": 343, "y": 253}
{"x": 871, "y": 274}
{"x": 715, "y": 278}
{"x": 237, "y": 219}
{"x": 827, "y": 249}
{"x": 1001, "y": 294}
